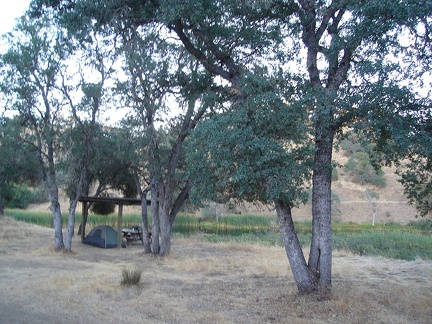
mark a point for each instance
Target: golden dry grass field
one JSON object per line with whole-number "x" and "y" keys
{"x": 197, "y": 283}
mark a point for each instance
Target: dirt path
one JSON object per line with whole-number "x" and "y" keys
{"x": 198, "y": 283}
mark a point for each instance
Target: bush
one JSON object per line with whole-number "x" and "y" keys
{"x": 422, "y": 225}
{"x": 354, "y": 143}
{"x": 103, "y": 208}
{"x": 335, "y": 175}
{"x": 130, "y": 277}
{"x": 351, "y": 147}
{"x": 39, "y": 195}
{"x": 359, "y": 167}
{"x": 17, "y": 196}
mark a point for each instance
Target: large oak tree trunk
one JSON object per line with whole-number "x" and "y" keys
{"x": 320, "y": 258}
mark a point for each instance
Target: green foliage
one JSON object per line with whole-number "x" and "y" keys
{"x": 404, "y": 246}
{"x": 423, "y": 224}
{"x": 17, "y": 197}
{"x": 242, "y": 154}
{"x": 103, "y": 208}
{"x": 372, "y": 194}
{"x": 130, "y": 277}
{"x": 355, "y": 141}
{"x": 418, "y": 185}
{"x": 335, "y": 175}
{"x": 20, "y": 196}
{"x": 18, "y": 165}
{"x": 359, "y": 167}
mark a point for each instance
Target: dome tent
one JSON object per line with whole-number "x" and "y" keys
{"x": 103, "y": 236}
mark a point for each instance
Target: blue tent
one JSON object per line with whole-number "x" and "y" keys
{"x": 103, "y": 236}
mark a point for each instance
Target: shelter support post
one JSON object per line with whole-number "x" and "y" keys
{"x": 84, "y": 219}
{"x": 119, "y": 226}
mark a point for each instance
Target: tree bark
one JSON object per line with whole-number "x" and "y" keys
{"x": 71, "y": 223}
{"x": 320, "y": 258}
{"x": 305, "y": 279}
{"x": 166, "y": 230}
{"x": 1, "y": 206}
{"x": 155, "y": 216}
{"x": 145, "y": 223}
{"x": 57, "y": 220}
{"x": 55, "y": 209}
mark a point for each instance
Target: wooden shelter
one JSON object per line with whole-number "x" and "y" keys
{"x": 113, "y": 200}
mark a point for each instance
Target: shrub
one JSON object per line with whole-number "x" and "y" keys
{"x": 351, "y": 147}
{"x": 17, "y": 196}
{"x": 335, "y": 176}
{"x": 39, "y": 195}
{"x": 103, "y": 208}
{"x": 361, "y": 170}
{"x": 130, "y": 277}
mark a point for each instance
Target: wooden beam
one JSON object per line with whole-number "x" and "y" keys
{"x": 114, "y": 200}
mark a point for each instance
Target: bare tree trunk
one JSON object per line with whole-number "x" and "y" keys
{"x": 145, "y": 237}
{"x": 373, "y": 206}
{"x": 165, "y": 229}
{"x": 1, "y": 206}
{"x": 305, "y": 279}
{"x": 57, "y": 220}
{"x": 55, "y": 211}
{"x": 145, "y": 223}
{"x": 155, "y": 216}
{"x": 71, "y": 223}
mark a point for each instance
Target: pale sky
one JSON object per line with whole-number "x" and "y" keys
{"x": 10, "y": 10}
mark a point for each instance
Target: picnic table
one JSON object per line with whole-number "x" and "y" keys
{"x": 132, "y": 234}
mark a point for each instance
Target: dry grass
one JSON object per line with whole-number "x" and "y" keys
{"x": 199, "y": 282}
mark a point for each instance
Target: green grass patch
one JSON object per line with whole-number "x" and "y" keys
{"x": 395, "y": 245}
{"x": 391, "y": 240}
{"x": 44, "y": 218}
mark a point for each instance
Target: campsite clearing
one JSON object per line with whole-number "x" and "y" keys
{"x": 198, "y": 282}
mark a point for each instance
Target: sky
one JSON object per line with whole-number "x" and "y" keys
{"x": 9, "y": 12}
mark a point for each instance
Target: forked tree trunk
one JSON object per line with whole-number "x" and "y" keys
{"x": 71, "y": 223}
{"x": 305, "y": 279}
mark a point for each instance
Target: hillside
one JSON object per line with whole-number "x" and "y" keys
{"x": 353, "y": 207}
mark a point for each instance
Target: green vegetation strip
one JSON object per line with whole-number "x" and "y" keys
{"x": 391, "y": 240}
